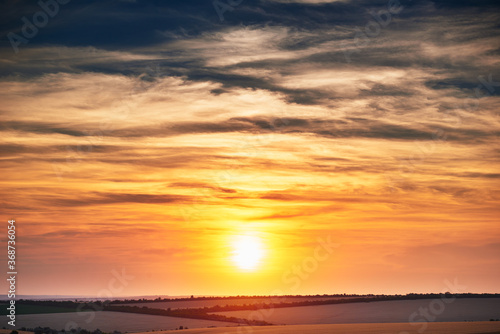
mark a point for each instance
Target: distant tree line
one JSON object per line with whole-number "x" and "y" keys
{"x": 365, "y": 299}
{"x": 193, "y": 313}
{"x": 324, "y": 296}
{"x": 192, "y": 298}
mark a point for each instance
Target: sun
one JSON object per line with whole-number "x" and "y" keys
{"x": 247, "y": 252}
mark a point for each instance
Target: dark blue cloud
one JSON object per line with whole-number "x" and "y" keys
{"x": 148, "y": 27}
{"x": 116, "y": 24}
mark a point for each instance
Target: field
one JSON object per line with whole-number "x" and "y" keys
{"x": 399, "y": 328}
{"x": 109, "y": 321}
{"x": 475, "y": 309}
{"x": 462, "y": 315}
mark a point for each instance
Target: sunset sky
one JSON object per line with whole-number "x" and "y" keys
{"x": 350, "y": 146}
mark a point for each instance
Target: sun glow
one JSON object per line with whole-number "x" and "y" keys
{"x": 247, "y": 252}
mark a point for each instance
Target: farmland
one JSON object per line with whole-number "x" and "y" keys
{"x": 416, "y": 311}
{"x": 393, "y": 328}
{"x": 476, "y": 309}
{"x": 110, "y": 321}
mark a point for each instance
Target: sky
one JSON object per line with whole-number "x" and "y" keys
{"x": 251, "y": 147}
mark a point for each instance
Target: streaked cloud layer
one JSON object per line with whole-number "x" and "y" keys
{"x": 145, "y": 135}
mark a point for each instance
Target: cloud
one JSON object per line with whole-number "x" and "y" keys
{"x": 40, "y": 128}
{"x": 126, "y": 118}
{"x": 114, "y": 198}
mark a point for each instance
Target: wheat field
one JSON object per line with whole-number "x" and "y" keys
{"x": 490, "y": 327}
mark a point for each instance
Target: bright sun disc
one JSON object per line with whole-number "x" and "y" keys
{"x": 247, "y": 252}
